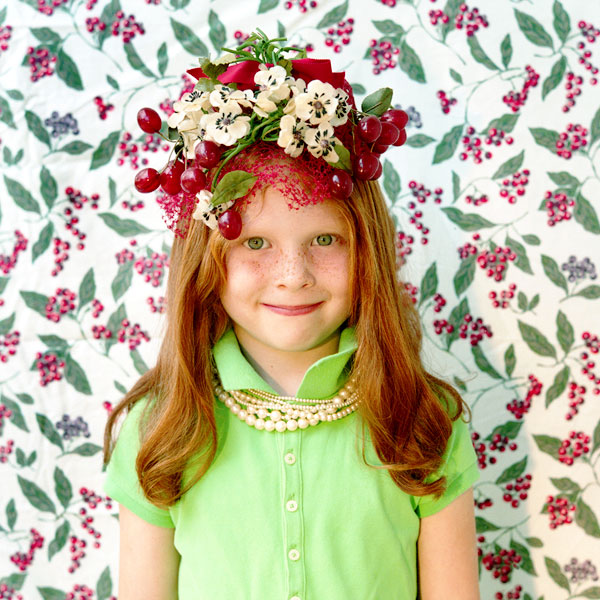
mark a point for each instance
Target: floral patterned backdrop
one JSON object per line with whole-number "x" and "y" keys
{"x": 496, "y": 200}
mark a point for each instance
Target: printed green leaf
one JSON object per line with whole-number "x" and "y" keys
{"x": 593, "y": 592}
{"x": 162, "y": 57}
{"x": 190, "y": 41}
{"x": 104, "y": 585}
{"x": 136, "y": 61}
{"x": 62, "y": 487}
{"x": 23, "y": 199}
{"x": 60, "y": 539}
{"x": 75, "y": 147}
{"x": 35, "y": 125}
{"x": 459, "y": 383}
{"x": 410, "y": 63}
{"x": 596, "y": 438}
{"x": 16, "y": 418}
{"x": 43, "y": 242}
{"x": 35, "y": 301}
{"x": 565, "y": 333}
{"x": 548, "y": 444}
{"x": 521, "y": 262}
{"x": 358, "y": 88}
{"x": 75, "y": 375}
{"x": 48, "y": 187}
{"x": 561, "y": 22}
{"x": 512, "y": 165}
{"x": 465, "y": 275}
{"x": 455, "y": 186}
{"x": 595, "y": 128}
{"x": 122, "y": 282}
{"x": 483, "y": 364}
{"x": 564, "y": 484}
{"x": 586, "y": 519}
{"x": 504, "y": 123}
{"x": 391, "y": 181}
{"x": 510, "y": 429}
{"x": 48, "y": 430}
{"x": 67, "y": 70}
{"x": 533, "y": 30}
{"x": 114, "y": 324}
{"x": 177, "y": 4}
{"x": 455, "y": 319}
{"x": 555, "y": 77}
{"x": 482, "y": 525}
{"x": 510, "y": 360}
{"x": 3, "y": 14}
{"x": 419, "y": 140}
{"x": 87, "y": 449}
{"x": 533, "y": 302}
{"x": 104, "y": 152}
{"x": 7, "y": 324}
{"x": 559, "y": 385}
{"x": 6, "y": 115}
{"x": 217, "y": 32}
{"x": 281, "y": 33}
{"x": 479, "y": 54}
{"x": 553, "y": 272}
{"x": 11, "y": 514}
{"x": 138, "y": 362}
{"x": 108, "y": 16}
{"x": 523, "y": 551}
{"x": 45, "y": 35}
{"x": 334, "y": 15}
{"x": 467, "y": 221}
{"x": 534, "y": 542}
{"x": 36, "y": 496}
{"x": 591, "y": 292}
{"x": 266, "y": 5}
{"x": 585, "y": 214}
{"x": 387, "y": 27}
{"x": 522, "y": 301}
{"x": 55, "y": 342}
{"x": 377, "y": 102}
{"x": 546, "y": 138}
{"x": 429, "y": 283}
{"x": 233, "y": 185}
{"x": 564, "y": 179}
{"x": 456, "y": 76}
{"x": 536, "y": 340}
{"x": 506, "y": 50}
{"x": 451, "y": 9}
{"x": 511, "y": 473}
{"x": 446, "y": 148}
{"x": 113, "y": 82}
{"x": 87, "y": 288}
{"x": 15, "y": 94}
{"x": 49, "y": 593}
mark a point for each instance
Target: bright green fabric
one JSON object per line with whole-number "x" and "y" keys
{"x": 354, "y": 529}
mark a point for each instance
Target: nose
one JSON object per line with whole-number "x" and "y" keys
{"x": 293, "y": 270}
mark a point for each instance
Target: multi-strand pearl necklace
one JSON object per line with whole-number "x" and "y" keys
{"x": 270, "y": 412}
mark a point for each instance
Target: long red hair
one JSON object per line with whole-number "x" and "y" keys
{"x": 407, "y": 410}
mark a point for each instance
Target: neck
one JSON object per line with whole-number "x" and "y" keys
{"x": 283, "y": 370}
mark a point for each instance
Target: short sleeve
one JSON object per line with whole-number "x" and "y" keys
{"x": 459, "y": 467}
{"x": 122, "y": 482}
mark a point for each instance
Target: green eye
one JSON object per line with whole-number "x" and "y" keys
{"x": 324, "y": 239}
{"x": 255, "y": 243}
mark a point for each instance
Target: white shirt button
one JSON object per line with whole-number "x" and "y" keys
{"x": 295, "y": 598}
{"x": 294, "y": 554}
{"x": 291, "y": 505}
{"x": 290, "y": 459}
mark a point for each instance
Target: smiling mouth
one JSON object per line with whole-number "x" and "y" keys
{"x": 291, "y": 311}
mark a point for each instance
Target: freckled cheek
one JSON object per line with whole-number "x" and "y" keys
{"x": 248, "y": 273}
{"x": 333, "y": 267}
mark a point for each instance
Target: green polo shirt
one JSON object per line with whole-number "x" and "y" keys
{"x": 294, "y": 515}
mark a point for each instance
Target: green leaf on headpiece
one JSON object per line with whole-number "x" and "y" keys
{"x": 211, "y": 69}
{"x": 345, "y": 162}
{"x": 173, "y": 134}
{"x": 204, "y": 85}
{"x": 286, "y": 64}
{"x": 233, "y": 185}
{"x": 377, "y": 102}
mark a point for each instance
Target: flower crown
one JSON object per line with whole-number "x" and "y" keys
{"x": 254, "y": 94}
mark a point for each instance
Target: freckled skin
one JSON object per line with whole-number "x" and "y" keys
{"x": 303, "y": 262}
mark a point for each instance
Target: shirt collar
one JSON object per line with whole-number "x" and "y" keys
{"x": 322, "y": 379}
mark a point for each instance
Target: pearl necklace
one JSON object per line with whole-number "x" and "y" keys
{"x": 270, "y": 412}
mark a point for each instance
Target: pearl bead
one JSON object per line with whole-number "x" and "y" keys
{"x": 269, "y": 425}
{"x": 275, "y": 416}
{"x": 262, "y": 413}
{"x": 242, "y": 415}
{"x": 292, "y": 425}
{"x": 251, "y": 420}
{"x": 235, "y": 409}
{"x": 229, "y": 402}
{"x": 259, "y": 424}
{"x": 313, "y": 421}
{"x": 280, "y": 426}
{"x": 302, "y": 423}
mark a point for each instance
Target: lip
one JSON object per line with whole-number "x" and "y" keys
{"x": 292, "y": 311}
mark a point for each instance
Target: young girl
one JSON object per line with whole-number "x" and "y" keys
{"x": 288, "y": 444}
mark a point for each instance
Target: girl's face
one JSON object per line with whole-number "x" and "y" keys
{"x": 288, "y": 285}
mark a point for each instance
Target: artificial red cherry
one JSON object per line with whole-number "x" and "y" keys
{"x": 230, "y": 224}
{"x": 389, "y": 133}
{"x": 378, "y": 171}
{"x": 369, "y": 129}
{"x": 169, "y": 178}
{"x": 147, "y": 180}
{"x": 401, "y": 138}
{"x": 340, "y": 184}
{"x": 398, "y": 117}
{"x": 365, "y": 165}
{"x": 192, "y": 180}
{"x": 380, "y": 148}
{"x": 148, "y": 120}
{"x": 208, "y": 154}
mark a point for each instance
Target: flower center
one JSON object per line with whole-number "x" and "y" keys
{"x": 318, "y": 105}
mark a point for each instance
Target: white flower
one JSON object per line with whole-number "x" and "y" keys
{"x": 222, "y": 95}
{"x": 191, "y": 106}
{"x": 272, "y": 80}
{"x": 207, "y": 213}
{"x": 317, "y": 104}
{"x": 291, "y": 135}
{"x": 320, "y": 142}
{"x": 297, "y": 86}
{"x": 264, "y": 105}
{"x": 227, "y": 125}
{"x": 342, "y": 108}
